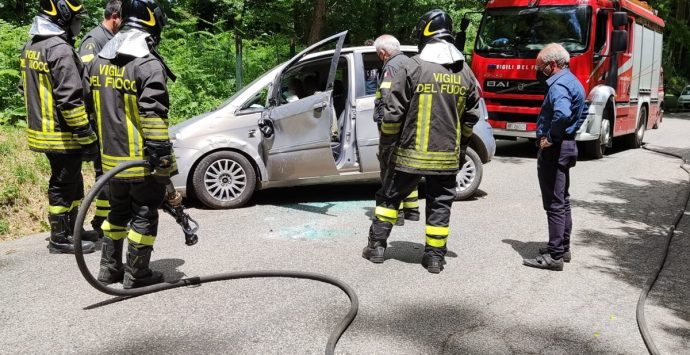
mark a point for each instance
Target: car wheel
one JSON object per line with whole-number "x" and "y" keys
{"x": 224, "y": 179}
{"x": 469, "y": 176}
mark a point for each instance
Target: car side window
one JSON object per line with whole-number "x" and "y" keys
{"x": 256, "y": 103}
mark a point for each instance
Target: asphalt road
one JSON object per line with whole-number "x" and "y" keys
{"x": 484, "y": 302}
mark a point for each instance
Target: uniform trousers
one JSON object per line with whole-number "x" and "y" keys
{"x": 66, "y": 184}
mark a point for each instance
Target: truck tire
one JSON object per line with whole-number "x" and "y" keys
{"x": 470, "y": 176}
{"x": 634, "y": 140}
{"x": 595, "y": 149}
{"x": 224, "y": 179}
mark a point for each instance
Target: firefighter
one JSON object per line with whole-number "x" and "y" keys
{"x": 388, "y": 51}
{"x": 129, "y": 96}
{"x": 428, "y": 116}
{"x": 57, "y": 123}
{"x": 91, "y": 44}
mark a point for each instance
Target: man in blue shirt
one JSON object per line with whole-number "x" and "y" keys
{"x": 561, "y": 116}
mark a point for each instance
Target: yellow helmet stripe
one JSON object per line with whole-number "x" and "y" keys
{"x": 152, "y": 19}
{"x": 52, "y": 12}
{"x": 74, "y": 8}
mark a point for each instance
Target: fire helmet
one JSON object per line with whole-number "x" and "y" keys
{"x": 435, "y": 24}
{"x": 146, "y": 15}
{"x": 64, "y": 13}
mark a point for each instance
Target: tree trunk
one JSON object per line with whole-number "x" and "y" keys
{"x": 319, "y": 20}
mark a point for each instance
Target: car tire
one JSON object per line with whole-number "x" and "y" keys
{"x": 224, "y": 179}
{"x": 470, "y": 176}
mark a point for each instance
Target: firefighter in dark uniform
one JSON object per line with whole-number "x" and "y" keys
{"x": 51, "y": 80}
{"x": 91, "y": 44}
{"x": 428, "y": 116}
{"x": 130, "y": 100}
{"x": 388, "y": 51}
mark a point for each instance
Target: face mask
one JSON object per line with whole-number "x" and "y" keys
{"x": 542, "y": 77}
{"x": 75, "y": 27}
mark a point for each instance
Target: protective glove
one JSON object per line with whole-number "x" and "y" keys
{"x": 160, "y": 154}
{"x": 463, "y": 155}
{"x": 90, "y": 152}
{"x": 161, "y": 175}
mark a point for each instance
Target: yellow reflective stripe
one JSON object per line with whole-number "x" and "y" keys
{"x": 378, "y": 94}
{"x": 435, "y": 230}
{"x": 386, "y": 84}
{"x": 75, "y": 112}
{"x": 53, "y": 145}
{"x": 413, "y": 194}
{"x": 436, "y": 243}
{"x": 26, "y": 97}
{"x": 97, "y": 107}
{"x": 386, "y": 212}
{"x": 390, "y": 128}
{"x": 48, "y": 135}
{"x": 426, "y": 165}
{"x": 112, "y": 231}
{"x": 461, "y": 111}
{"x": 141, "y": 239}
{"x": 42, "y": 98}
{"x": 414, "y": 204}
{"x": 86, "y": 140}
{"x": 58, "y": 209}
{"x": 75, "y": 204}
{"x": 423, "y": 114}
{"x": 102, "y": 213}
{"x": 51, "y": 114}
{"x": 138, "y": 138}
{"x": 130, "y": 126}
{"x": 102, "y": 203}
{"x": 87, "y": 58}
{"x": 77, "y": 121}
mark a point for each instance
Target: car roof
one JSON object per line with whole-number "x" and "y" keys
{"x": 359, "y": 49}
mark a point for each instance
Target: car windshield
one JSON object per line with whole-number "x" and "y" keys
{"x": 523, "y": 32}
{"x": 686, "y": 91}
{"x": 245, "y": 88}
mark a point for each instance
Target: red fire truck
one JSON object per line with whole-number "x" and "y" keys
{"x": 615, "y": 48}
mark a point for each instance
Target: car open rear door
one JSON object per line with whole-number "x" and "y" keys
{"x": 301, "y": 144}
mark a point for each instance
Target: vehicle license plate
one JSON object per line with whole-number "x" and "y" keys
{"x": 516, "y": 126}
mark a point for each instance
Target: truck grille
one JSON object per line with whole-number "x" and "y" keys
{"x": 512, "y": 117}
{"x": 514, "y": 87}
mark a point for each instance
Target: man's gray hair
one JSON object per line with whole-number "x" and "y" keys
{"x": 387, "y": 43}
{"x": 554, "y": 52}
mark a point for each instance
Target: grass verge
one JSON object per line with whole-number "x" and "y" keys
{"x": 24, "y": 186}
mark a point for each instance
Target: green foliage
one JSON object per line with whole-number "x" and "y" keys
{"x": 12, "y": 39}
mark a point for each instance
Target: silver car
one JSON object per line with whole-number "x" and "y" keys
{"x": 319, "y": 107}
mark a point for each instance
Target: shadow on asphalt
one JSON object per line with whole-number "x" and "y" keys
{"x": 463, "y": 330}
{"x": 636, "y": 249}
{"x": 527, "y": 250}
{"x": 408, "y": 252}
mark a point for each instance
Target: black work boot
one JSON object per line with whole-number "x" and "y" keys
{"x": 401, "y": 218}
{"x": 96, "y": 224}
{"x": 91, "y": 236}
{"x": 137, "y": 272}
{"x": 411, "y": 214}
{"x": 61, "y": 241}
{"x": 112, "y": 270}
{"x": 566, "y": 255}
{"x": 374, "y": 251}
{"x": 433, "y": 262}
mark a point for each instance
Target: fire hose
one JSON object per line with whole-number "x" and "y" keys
{"x": 641, "y": 320}
{"x": 190, "y": 227}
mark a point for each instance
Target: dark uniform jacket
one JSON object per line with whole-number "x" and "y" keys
{"x": 93, "y": 42}
{"x": 389, "y": 70}
{"x": 130, "y": 101}
{"x": 54, "y": 97}
{"x": 428, "y": 114}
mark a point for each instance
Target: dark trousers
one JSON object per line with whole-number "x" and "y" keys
{"x": 136, "y": 204}
{"x": 410, "y": 202}
{"x": 66, "y": 184}
{"x": 440, "y": 194}
{"x": 103, "y": 199}
{"x": 553, "y": 169}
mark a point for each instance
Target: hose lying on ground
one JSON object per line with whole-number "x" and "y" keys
{"x": 335, "y": 334}
{"x": 641, "y": 321}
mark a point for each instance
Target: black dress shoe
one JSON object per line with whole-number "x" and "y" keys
{"x": 545, "y": 261}
{"x": 566, "y": 255}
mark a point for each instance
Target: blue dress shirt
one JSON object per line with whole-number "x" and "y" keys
{"x": 564, "y": 109}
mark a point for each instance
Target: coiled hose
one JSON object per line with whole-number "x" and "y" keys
{"x": 641, "y": 320}
{"x": 332, "y": 339}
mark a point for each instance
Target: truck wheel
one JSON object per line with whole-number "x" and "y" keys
{"x": 224, "y": 179}
{"x": 595, "y": 149}
{"x": 470, "y": 176}
{"x": 634, "y": 140}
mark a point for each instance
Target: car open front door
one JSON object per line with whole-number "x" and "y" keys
{"x": 300, "y": 146}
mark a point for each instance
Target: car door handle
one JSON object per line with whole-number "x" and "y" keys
{"x": 320, "y": 106}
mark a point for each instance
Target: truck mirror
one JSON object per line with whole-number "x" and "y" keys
{"x": 619, "y": 41}
{"x": 460, "y": 39}
{"x": 620, "y": 18}
{"x": 464, "y": 23}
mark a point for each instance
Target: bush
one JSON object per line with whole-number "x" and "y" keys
{"x": 12, "y": 39}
